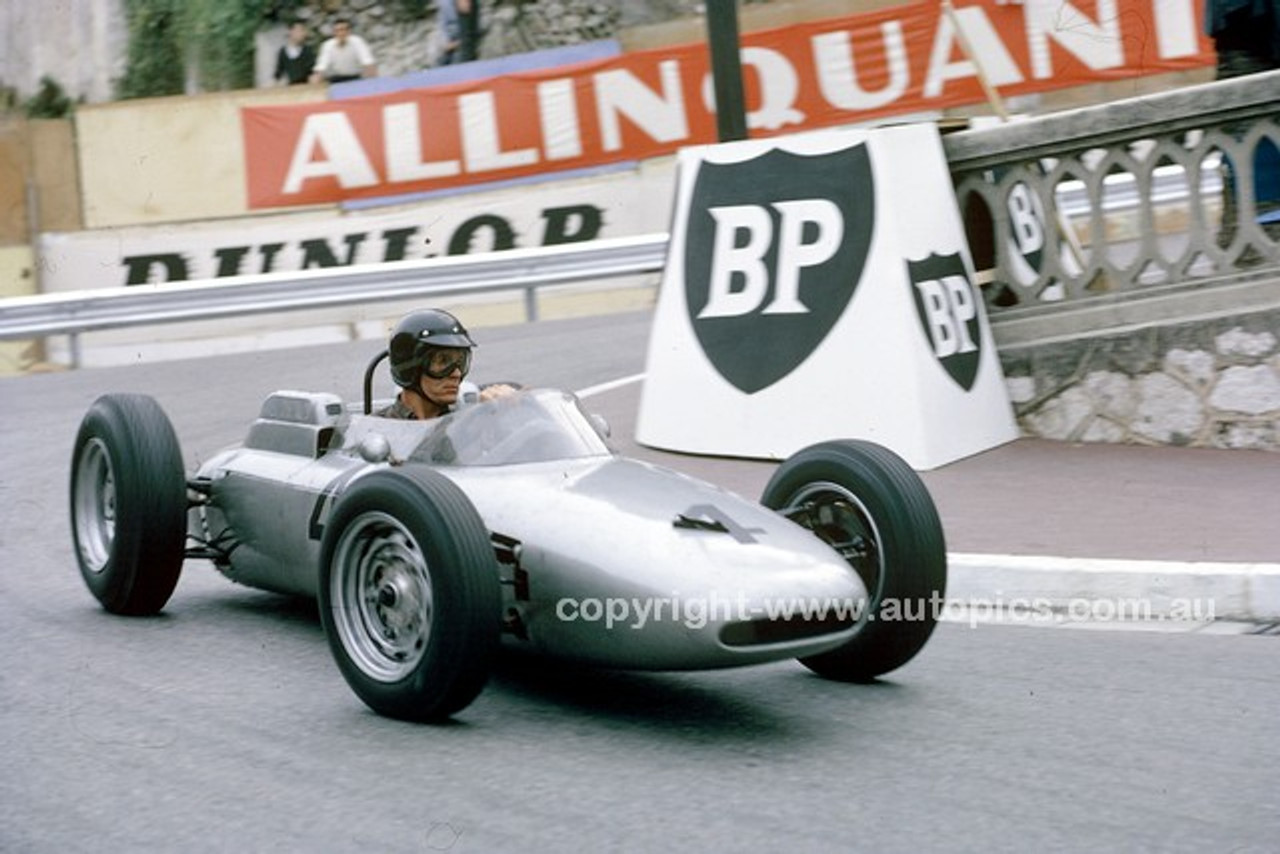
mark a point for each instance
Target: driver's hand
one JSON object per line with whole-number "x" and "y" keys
{"x": 495, "y": 391}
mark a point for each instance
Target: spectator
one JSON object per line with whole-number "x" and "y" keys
{"x": 1246, "y": 36}
{"x": 295, "y": 58}
{"x": 460, "y": 21}
{"x": 344, "y": 57}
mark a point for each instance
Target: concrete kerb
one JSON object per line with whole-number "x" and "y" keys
{"x": 1103, "y": 590}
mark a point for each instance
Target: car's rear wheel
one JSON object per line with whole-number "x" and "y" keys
{"x": 410, "y": 595}
{"x": 128, "y": 504}
{"x": 869, "y": 505}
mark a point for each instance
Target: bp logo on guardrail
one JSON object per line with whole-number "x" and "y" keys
{"x": 773, "y": 254}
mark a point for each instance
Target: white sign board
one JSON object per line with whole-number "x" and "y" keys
{"x": 819, "y": 286}
{"x": 601, "y": 206}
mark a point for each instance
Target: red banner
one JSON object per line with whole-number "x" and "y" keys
{"x": 651, "y": 103}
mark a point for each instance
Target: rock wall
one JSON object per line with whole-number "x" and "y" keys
{"x": 1212, "y": 383}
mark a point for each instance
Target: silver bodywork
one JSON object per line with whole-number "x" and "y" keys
{"x": 603, "y": 558}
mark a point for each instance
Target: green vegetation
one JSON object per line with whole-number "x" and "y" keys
{"x": 215, "y": 38}
{"x": 50, "y": 102}
{"x": 155, "y": 60}
{"x": 221, "y": 33}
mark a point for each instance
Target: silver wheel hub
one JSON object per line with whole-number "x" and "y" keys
{"x": 381, "y": 593}
{"x": 94, "y": 502}
{"x": 839, "y": 518}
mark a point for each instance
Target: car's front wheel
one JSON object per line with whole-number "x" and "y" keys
{"x": 868, "y": 504}
{"x": 128, "y": 504}
{"x": 410, "y": 595}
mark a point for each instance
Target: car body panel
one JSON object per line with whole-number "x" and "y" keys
{"x": 604, "y": 559}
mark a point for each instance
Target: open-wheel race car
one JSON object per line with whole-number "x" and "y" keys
{"x": 430, "y": 545}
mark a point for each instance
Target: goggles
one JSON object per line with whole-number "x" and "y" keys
{"x": 440, "y": 362}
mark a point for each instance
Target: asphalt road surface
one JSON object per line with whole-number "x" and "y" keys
{"x": 223, "y": 725}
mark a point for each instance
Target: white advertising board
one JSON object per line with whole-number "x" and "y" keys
{"x": 820, "y": 286}
{"x": 611, "y": 205}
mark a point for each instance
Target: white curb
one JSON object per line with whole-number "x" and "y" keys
{"x": 1224, "y": 591}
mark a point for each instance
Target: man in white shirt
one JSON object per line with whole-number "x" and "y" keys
{"x": 343, "y": 57}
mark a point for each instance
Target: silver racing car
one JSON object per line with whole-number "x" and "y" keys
{"x": 432, "y": 544}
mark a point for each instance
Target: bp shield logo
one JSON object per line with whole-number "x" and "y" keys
{"x": 947, "y": 305}
{"x": 774, "y": 249}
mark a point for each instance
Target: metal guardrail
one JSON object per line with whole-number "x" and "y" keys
{"x": 518, "y": 269}
{"x": 1169, "y": 186}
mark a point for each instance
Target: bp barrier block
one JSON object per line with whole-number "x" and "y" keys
{"x": 820, "y": 286}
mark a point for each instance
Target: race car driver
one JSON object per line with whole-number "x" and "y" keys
{"x": 430, "y": 354}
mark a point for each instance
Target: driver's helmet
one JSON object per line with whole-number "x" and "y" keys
{"x": 414, "y": 337}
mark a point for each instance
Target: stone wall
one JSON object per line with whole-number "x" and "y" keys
{"x": 1212, "y": 383}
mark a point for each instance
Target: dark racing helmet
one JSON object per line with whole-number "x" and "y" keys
{"x": 416, "y": 335}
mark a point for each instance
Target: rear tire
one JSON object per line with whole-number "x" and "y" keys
{"x": 866, "y": 502}
{"x": 128, "y": 504}
{"x": 410, "y": 595}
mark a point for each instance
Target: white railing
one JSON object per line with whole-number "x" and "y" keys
{"x": 1212, "y": 144}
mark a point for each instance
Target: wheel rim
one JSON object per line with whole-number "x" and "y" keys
{"x": 838, "y": 518}
{"x": 95, "y": 506}
{"x": 382, "y": 598}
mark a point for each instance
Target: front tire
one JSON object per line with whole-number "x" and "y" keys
{"x": 868, "y": 504}
{"x": 410, "y": 595}
{"x": 128, "y": 504}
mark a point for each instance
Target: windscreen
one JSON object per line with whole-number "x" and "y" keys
{"x": 529, "y": 426}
